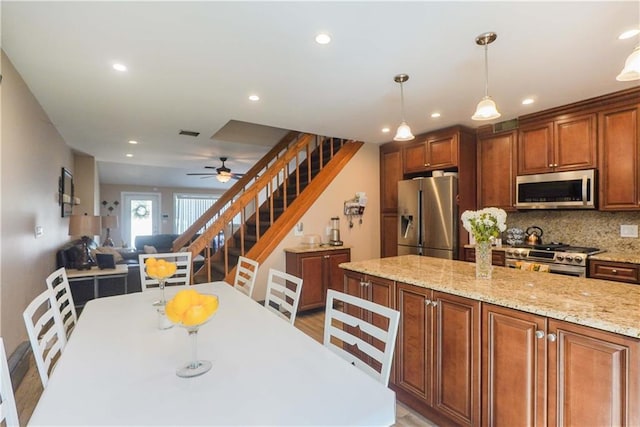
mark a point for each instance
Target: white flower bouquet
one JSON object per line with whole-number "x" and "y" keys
{"x": 485, "y": 224}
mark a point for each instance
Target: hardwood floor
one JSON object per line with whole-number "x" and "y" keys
{"x": 312, "y": 324}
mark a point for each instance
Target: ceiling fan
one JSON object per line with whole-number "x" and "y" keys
{"x": 222, "y": 173}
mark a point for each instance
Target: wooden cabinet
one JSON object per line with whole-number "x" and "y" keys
{"x": 497, "y": 170}
{"x": 616, "y": 271}
{"x": 438, "y": 354}
{"x": 390, "y": 175}
{"x": 497, "y": 257}
{"x": 430, "y": 152}
{"x": 566, "y": 374}
{"x": 564, "y": 144}
{"x": 619, "y": 171}
{"x": 319, "y": 271}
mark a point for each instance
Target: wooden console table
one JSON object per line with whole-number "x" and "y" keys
{"x": 121, "y": 271}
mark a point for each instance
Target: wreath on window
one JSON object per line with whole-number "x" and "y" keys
{"x": 141, "y": 212}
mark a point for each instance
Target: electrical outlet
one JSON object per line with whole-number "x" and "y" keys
{"x": 39, "y": 231}
{"x": 628, "y": 231}
{"x": 299, "y": 229}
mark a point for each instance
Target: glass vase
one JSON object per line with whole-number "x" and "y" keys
{"x": 483, "y": 260}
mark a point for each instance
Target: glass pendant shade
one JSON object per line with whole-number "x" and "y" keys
{"x": 631, "y": 70}
{"x": 403, "y": 133}
{"x": 486, "y": 110}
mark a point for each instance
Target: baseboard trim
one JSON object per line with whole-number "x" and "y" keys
{"x": 19, "y": 363}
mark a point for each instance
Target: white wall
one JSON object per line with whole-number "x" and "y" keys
{"x": 361, "y": 174}
{"x": 32, "y": 155}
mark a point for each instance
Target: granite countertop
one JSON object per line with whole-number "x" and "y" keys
{"x": 601, "y": 304}
{"x": 630, "y": 257}
{"x": 315, "y": 248}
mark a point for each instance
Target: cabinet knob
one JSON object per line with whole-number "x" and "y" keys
{"x": 550, "y": 165}
{"x": 434, "y": 303}
{"x": 551, "y": 337}
{"x": 363, "y": 284}
{"x": 539, "y": 334}
{"x": 614, "y": 271}
{"x": 427, "y": 164}
{"x": 555, "y": 165}
{"x": 427, "y": 301}
{"x": 326, "y": 256}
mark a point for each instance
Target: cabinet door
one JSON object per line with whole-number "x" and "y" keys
{"x": 442, "y": 152}
{"x": 388, "y": 235}
{"x": 414, "y": 368}
{"x": 390, "y": 174}
{"x": 575, "y": 143}
{"x": 414, "y": 157}
{"x": 593, "y": 377}
{"x": 311, "y": 271}
{"x": 334, "y": 273}
{"x": 496, "y": 171}
{"x": 513, "y": 368}
{"x": 619, "y": 172}
{"x": 535, "y": 149}
{"x": 456, "y": 390}
{"x": 497, "y": 257}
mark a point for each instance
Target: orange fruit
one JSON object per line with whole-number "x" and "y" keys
{"x": 150, "y": 261}
{"x": 172, "y": 313}
{"x": 195, "y": 315}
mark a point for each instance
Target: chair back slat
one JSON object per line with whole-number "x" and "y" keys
{"x": 246, "y": 272}
{"x": 283, "y": 294}
{"x": 8, "y": 409}
{"x": 355, "y": 338}
{"x": 46, "y": 334}
{"x": 58, "y": 282}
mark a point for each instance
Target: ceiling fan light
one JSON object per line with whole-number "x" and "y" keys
{"x": 403, "y": 133}
{"x": 223, "y": 176}
{"x": 631, "y": 70}
{"x": 486, "y": 110}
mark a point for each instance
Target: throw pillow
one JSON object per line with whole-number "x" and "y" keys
{"x": 150, "y": 249}
{"x": 117, "y": 256}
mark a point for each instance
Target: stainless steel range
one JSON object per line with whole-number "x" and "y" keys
{"x": 561, "y": 259}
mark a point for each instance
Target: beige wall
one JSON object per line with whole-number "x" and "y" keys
{"x": 33, "y": 154}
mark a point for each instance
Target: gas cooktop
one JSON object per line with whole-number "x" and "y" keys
{"x": 561, "y": 247}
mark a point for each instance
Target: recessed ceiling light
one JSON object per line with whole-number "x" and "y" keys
{"x": 131, "y": 141}
{"x": 323, "y": 38}
{"x": 254, "y": 98}
{"x": 435, "y": 115}
{"x": 528, "y": 101}
{"x": 385, "y": 130}
{"x": 119, "y": 67}
{"x": 629, "y": 33}
{"x": 129, "y": 155}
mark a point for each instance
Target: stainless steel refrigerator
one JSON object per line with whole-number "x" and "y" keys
{"x": 428, "y": 216}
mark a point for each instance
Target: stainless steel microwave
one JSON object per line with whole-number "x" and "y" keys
{"x": 557, "y": 190}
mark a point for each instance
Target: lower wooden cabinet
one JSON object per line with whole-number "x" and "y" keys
{"x": 497, "y": 257}
{"x": 438, "y": 354}
{"x": 616, "y": 271}
{"x": 538, "y": 372}
{"x": 319, "y": 271}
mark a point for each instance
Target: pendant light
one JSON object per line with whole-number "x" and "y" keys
{"x": 486, "y": 109}
{"x": 404, "y": 131}
{"x": 631, "y": 70}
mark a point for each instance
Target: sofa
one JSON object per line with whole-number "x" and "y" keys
{"x": 161, "y": 243}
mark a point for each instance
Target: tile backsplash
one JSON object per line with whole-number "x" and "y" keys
{"x": 580, "y": 228}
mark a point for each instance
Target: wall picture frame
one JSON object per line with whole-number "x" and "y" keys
{"x": 65, "y": 192}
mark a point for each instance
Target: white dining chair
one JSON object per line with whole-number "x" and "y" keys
{"x": 46, "y": 333}
{"x": 337, "y": 337}
{"x": 246, "y": 272}
{"x": 58, "y": 283}
{"x": 283, "y": 294}
{"x": 181, "y": 277}
{"x": 8, "y": 409}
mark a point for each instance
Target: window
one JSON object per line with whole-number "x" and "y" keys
{"x": 190, "y": 207}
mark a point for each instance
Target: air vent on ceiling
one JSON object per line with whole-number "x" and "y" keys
{"x": 505, "y": 126}
{"x": 188, "y": 132}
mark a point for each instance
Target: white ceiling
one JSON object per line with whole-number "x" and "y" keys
{"x": 192, "y": 66}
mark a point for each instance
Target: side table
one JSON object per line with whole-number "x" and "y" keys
{"x": 97, "y": 274}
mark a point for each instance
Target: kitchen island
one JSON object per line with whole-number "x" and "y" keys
{"x": 523, "y": 348}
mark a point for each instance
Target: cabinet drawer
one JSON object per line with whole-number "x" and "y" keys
{"x": 616, "y": 271}
{"x": 497, "y": 257}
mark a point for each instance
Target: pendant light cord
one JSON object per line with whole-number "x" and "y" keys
{"x": 402, "y": 100}
{"x": 486, "y": 70}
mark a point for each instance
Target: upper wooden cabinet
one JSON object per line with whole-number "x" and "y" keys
{"x": 390, "y": 174}
{"x": 497, "y": 170}
{"x": 559, "y": 145}
{"x": 619, "y": 173}
{"x": 430, "y": 152}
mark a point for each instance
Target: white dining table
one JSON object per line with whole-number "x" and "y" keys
{"x": 118, "y": 368}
